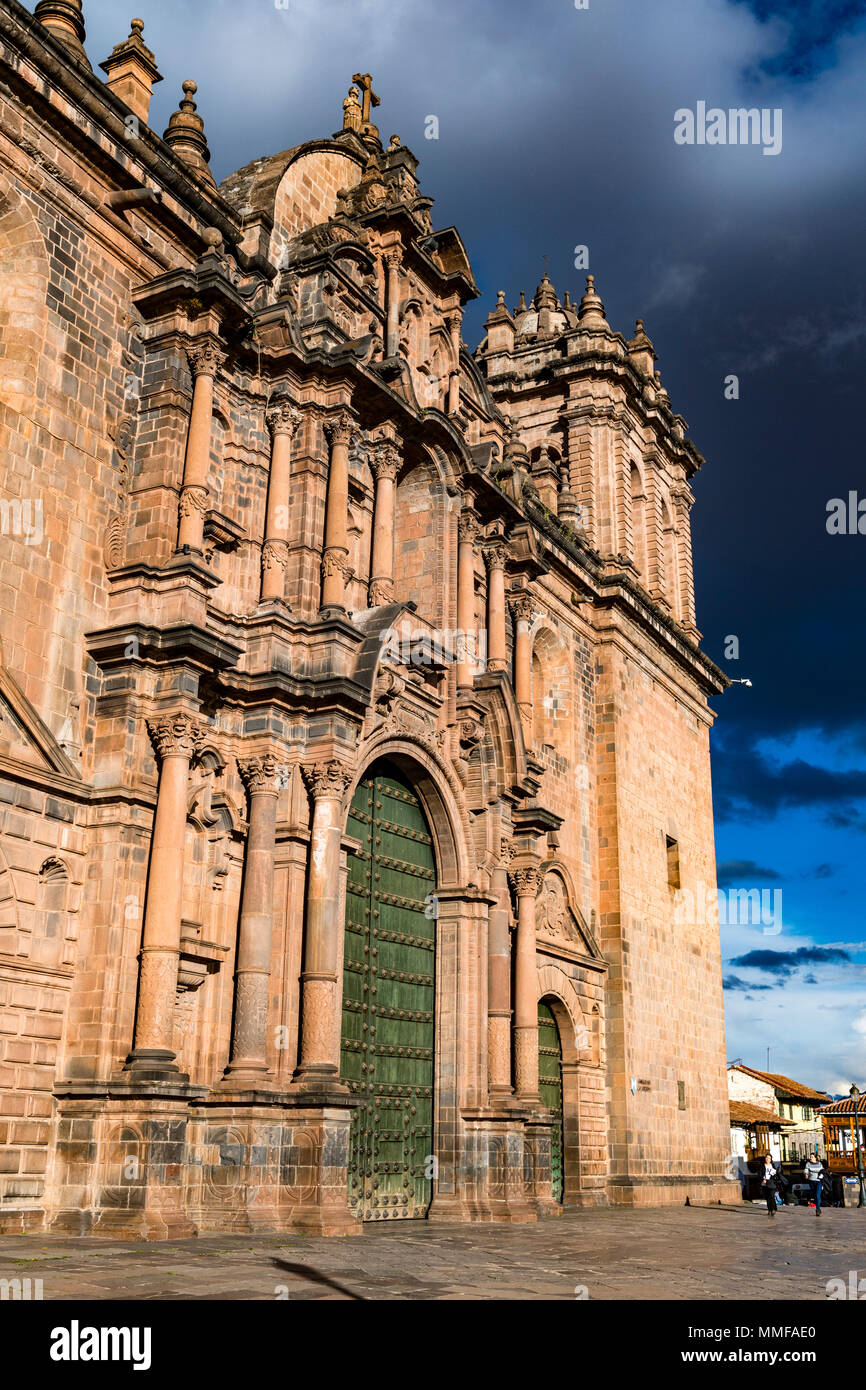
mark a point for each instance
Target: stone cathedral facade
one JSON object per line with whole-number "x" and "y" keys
{"x": 353, "y": 719}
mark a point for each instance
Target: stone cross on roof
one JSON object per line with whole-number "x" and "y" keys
{"x": 369, "y": 98}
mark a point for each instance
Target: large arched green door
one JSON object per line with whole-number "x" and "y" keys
{"x": 550, "y": 1088}
{"x": 388, "y": 980}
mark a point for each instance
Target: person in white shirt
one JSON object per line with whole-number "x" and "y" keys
{"x": 814, "y": 1175}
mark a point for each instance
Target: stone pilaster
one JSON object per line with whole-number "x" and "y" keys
{"x": 499, "y": 988}
{"x": 454, "y": 321}
{"x": 494, "y": 556}
{"x": 336, "y": 570}
{"x": 176, "y": 738}
{"x": 522, "y": 613}
{"x": 385, "y": 463}
{"x": 467, "y": 531}
{"x": 319, "y": 1062}
{"x": 263, "y": 777}
{"x": 282, "y": 421}
{"x": 526, "y": 883}
{"x": 392, "y": 261}
{"x": 205, "y": 360}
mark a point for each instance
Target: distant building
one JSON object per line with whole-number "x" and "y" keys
{"x": 795, "y": 1105}
{"x": 755, "y": 1129}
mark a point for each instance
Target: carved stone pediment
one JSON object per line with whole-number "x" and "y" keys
{"x": 555, "y": 919}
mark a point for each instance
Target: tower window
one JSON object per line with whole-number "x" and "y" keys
{"x": 673, "y": 852}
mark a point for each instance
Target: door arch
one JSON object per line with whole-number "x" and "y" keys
{"x": 388, "y": 1019}
{"x": 550, "y": 1089}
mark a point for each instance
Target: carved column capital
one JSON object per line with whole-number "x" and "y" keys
{"x": 282, "y": 418}
{"x": 525, "y": 881}
{"x": 328, "y": 779}
{"x": 205, "y": 357}
{"x": 454, "y": 320}
{"x": 384, "y": 459}
{"x": 522, "y": 608}
{"x": 495, "y": 555}
{"x": 468, "y": 525}
{"x": 178, "y": 735}
{"x": 339, "y": 427}
{"x": 393, "y": 259}
{"x": 263, "y": 773}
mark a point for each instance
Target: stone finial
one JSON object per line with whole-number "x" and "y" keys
{"x": 65, "y": 20}
{"x": 132, "y": 72}
{"x": 640, "y": 350}
{"x": 591, "y": 312}
{"x": 545, "y": 294}
{"x": 185, "y": 135}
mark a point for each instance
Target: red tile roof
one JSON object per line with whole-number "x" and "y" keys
{"x": 744, "y": 1113}
{"x": 784, "y": 1085}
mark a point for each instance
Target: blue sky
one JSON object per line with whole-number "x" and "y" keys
{"x": 556, "y": 130}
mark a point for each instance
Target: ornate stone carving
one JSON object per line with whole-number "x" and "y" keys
{"x": 328, "y": 779}
{"x": 275, "y": 555}
{"x": 205, "y": 358}
{"x": 471, "y": 734}
{"x": 468, "y": 525}
{"x": 522, "y": 609}
{"x": 263, "y": 773}
{"x": 282, "y": 418}
{"x": 335, "y": 561}
{"x": 178, "y": 735}
{"x": 384, "y": 459}
{"x": 553, "y": 915}
{"x": 339, "y": 427}
{"x": 381, "y": 591}
{"x": 194, "y": 499}
{"x": 525, "y": 882}
{"x": 495, "y": 555}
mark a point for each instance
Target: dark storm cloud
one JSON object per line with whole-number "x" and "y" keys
{"x": 784, "y": 963}
{"x": 734, "y": 982}
{"x": 748, "y": 780}
{"x": 735, "y": 872}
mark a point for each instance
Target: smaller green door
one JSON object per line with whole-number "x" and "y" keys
{"x": 550, "y": 1087}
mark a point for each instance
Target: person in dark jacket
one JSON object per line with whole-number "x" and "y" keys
{"x": 769, "y": 1181}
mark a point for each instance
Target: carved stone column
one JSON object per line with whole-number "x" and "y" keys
{"x": 499, "y": 988}
{"x": 385, "y": 463}
{"x": 494, "y": 555}
{"x": 526, "y": 883}
{"x": 282, "y": 420}
{"x": 392, "y": 260}
{"x": 263, "y": 777}
{"x": 319, "y": 1062}
{"x": 467, "y": 530}
{"x": 205, "y": 360}
{"x": 176, "y": 738}
{"x": 335, "y": 561}
{"x": 521, "y": 608}
{"x": 455, "y": 321}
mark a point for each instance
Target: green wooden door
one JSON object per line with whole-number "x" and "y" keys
{"x": 550, "y": 1087}
{"x": 388, "y": 979}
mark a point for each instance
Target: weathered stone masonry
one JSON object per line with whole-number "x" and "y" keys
{"x": 270, "y": 529}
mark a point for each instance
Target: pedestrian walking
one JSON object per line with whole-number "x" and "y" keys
{"x": 814, "y": 1175}
{"x": 769, "y": 1180}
